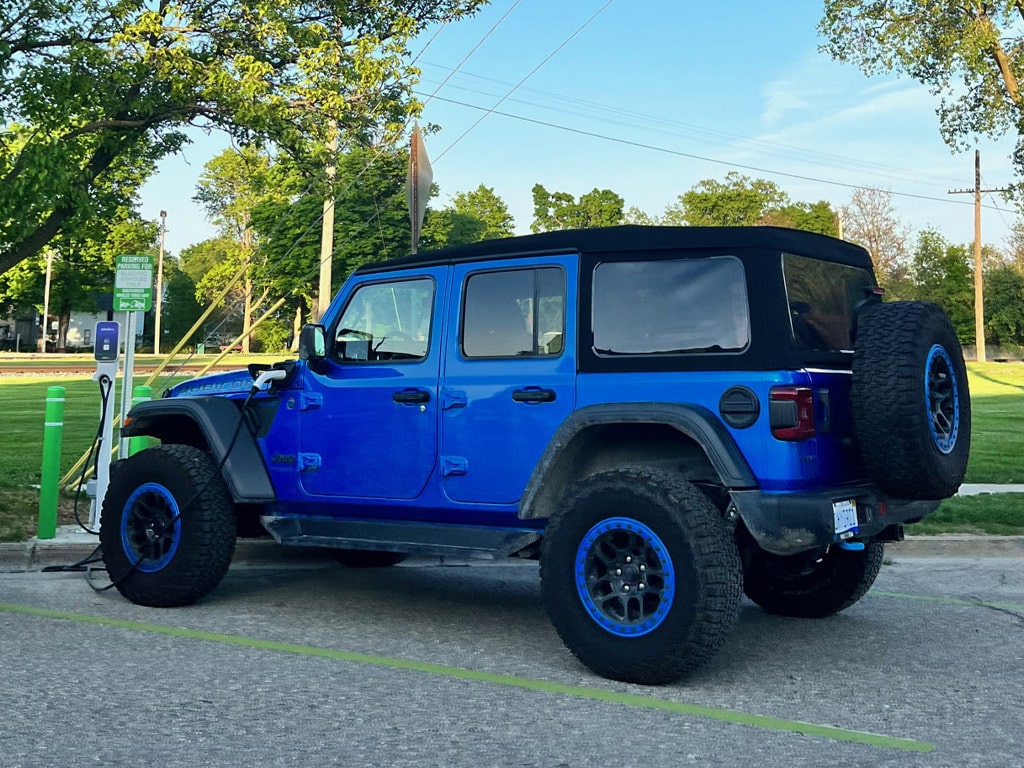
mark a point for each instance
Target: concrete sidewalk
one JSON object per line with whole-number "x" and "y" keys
{"x": 72, "y": 544}
{"x": 973, "y": 489}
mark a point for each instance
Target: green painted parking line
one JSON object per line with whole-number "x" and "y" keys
{"x": 512, "y": 681}
{"x": 952, "y": 600}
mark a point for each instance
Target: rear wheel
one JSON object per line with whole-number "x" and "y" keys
{"x": 640, "y": 575}
{"x": 810, "y": 585}
{"x": 167, "y": 528}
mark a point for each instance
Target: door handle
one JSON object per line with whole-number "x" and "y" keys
{"x": 411, "y": 396}
{"x": 533, "y": 395}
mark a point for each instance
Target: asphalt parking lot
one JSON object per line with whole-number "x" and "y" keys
{"x": 455, "y": 665}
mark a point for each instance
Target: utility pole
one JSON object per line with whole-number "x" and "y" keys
{"x": 327, "y": 230}
{"x": 979, "y": 292}
{"x": 159, "y": 284}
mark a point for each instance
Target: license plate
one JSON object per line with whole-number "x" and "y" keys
{"x": 845, "y": 515}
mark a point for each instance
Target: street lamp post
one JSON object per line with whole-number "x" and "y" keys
{"x": 46, "y": 299}
{"x": 159, "y": 284}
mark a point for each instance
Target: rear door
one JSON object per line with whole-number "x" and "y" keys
{"x": 509, "y": 375}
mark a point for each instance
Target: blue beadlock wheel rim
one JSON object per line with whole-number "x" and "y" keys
{"x": 150, "y": 527}
{"x": 942, "y": 398}
{"x": 624, "y": 577}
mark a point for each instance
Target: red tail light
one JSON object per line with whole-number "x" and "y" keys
{"x": 791, "y": 412}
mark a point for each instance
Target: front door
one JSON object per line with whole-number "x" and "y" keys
{"x": 368, "y": 426}
{"x": 509, "y": 376}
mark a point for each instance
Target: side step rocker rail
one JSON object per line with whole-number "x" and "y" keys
{"x": 441, "y": 540}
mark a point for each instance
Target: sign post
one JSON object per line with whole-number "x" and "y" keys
{"x": 133, "y": 292}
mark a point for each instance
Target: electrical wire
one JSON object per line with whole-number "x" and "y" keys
{"x": 526, "y": 77}
{"x": 115, "y": 581}
{"x": 693, "y": 156}
{"x": 677, "y": 129}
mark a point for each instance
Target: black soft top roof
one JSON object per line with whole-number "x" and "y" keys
{"x": 633, "y": 238}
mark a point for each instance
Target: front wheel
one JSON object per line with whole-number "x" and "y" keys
{"x": 167, "y": 528}
{"x": 640, "y": 575}
{"x": 810, "y": 585}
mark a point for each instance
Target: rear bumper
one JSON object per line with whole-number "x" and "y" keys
{"x": 788, "y": 523}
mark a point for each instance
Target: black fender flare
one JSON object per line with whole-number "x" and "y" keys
{"x": 216, "y": 419}
{"x": 694, "y": 421}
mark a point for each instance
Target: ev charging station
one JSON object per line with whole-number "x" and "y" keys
{"x": 107, "y": 355}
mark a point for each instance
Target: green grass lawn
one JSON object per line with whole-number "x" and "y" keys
{"x": 997, "y": 449}
{"x": 998, "y": 514}
{"x": 997, "y": 423}
{"x": 23, "y": 404}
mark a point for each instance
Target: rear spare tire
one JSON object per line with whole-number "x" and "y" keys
{"x": 911, "y": 406}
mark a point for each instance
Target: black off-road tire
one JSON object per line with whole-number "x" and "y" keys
{"x": 368, "y": 558}
{"x": 810, "y": 586}
{"x": 691, "y": 564}
{"x": 152, "y": 558}
{"x": 910, "y": 401}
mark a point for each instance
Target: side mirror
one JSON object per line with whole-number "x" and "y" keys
{"x": 312, "y": 342}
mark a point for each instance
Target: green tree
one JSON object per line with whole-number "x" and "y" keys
{"x": 967, "y": 53}
{"x": 95, "y": 93}
{"x": 738, "y": 201}
{"x": 484, "y": 205}
{"x": 232, "y": 184}
{"x": 472, "y": 216}
{"x": 810, "y": 217}
{"x": 371, "y": 223}
{"x": 83, "y": 269}
{"x": 206, "y": 267}
{"x": 637, "y": 216}
{"x": 942, "y": 273}
{"x": 1004, "y": 306}
{"x": 560, "y": 210}
{"x": 181, "y": 308}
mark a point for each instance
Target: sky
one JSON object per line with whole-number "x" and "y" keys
{"x": 649, "y": 97}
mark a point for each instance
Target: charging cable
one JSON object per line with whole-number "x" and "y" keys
{"x": 264, "y": 378}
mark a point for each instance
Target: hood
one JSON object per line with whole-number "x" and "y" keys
{"x": 228, "y": 383}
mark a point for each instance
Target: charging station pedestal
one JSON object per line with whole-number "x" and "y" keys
{"x": 107, "y": 355}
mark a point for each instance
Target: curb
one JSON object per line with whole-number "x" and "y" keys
{"x": 35, "y": 555}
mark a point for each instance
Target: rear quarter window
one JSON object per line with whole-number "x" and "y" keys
{"x": 670, "y": 307}
{"x": 822, "y": 296}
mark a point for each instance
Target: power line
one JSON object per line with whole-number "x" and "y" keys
{"x": 693, "y": 156}
{"x": 648, "y": 122}
{"x": 471, "y": 51}
{"x": 528, "y": 75}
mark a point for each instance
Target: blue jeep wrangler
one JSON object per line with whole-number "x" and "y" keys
{"x": 665, "y": 417}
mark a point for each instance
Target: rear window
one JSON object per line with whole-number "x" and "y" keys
{"x": 822, "y": 296}
{"x": 666, "y": 307}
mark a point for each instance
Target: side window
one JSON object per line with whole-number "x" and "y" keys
{"x": 822, "y": 296}
{"x": 386, "y": 321}
{"x": 685, "y": 306}
{"x": 514, "y": 313}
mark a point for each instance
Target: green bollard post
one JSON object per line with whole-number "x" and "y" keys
{"x": 140, "y": 394}
{"x": 53, "y": 432}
